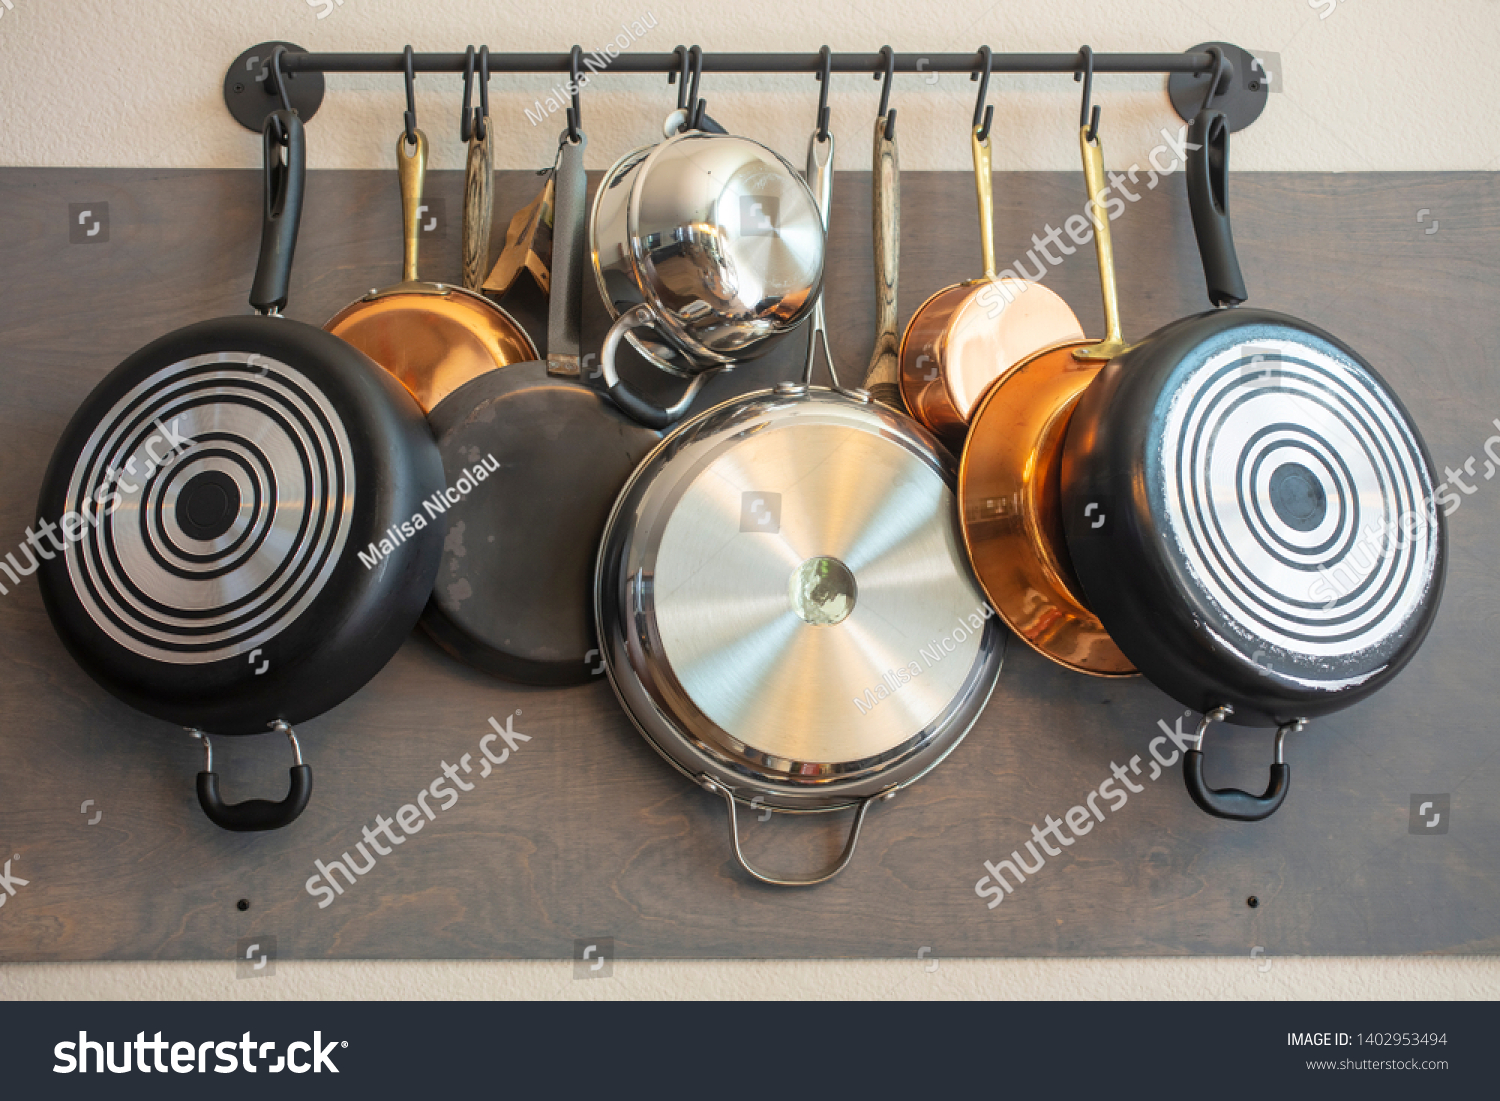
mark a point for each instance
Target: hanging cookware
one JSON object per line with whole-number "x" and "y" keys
{"x": 1272, "y": 552}
{"x": 514, "y": 593}
{"x": 1008, "y": 479}
{"x": 238, "y": 499}
{"x": 784, "y": 605}
{"x": 528, "y": 244}
{"x": 883, "y": 379}
{"x": 967, "y": 335}
{"x": 479, "y": 174}
{"x": 434, "y": 337}
{"x": 713, "y": 244}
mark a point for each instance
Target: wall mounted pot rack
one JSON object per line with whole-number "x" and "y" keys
{"x": 252, "y": 91}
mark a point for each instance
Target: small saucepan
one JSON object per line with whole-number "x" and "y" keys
{"x": 711, "y": 243}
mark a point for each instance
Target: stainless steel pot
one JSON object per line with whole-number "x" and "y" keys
{"x": 785, "y": 607}
{"x": 710, "y": 243}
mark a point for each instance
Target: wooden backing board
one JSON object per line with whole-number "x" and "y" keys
{"x": 584, "y": 832}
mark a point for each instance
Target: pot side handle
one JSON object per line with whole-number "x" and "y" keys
{"x": 640, "y": 408}
{"x": 1232, "y": 803}
{"x": 254, "y": 814}
{"x": 709, "y": 784}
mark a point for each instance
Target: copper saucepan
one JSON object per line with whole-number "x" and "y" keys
{"x": 1009, "y": 479}
{"x": 966, "y": 336}
{"x": 432, "y": 336}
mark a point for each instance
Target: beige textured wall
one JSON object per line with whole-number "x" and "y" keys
{"x": 1370, "y": 87}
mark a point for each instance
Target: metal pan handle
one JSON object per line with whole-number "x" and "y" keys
{"x": 285, "y": 183}
{"x": 1208, "y": 198}
{"x": 254, "y": 814}
{"x": 634, "y": 405}
{"x": 1232, "y": 803}
{"x": 714, "y": 786}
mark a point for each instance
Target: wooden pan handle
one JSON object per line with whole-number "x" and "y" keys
{"x": 479, "y": 210}
{"x": 882, "y": 377}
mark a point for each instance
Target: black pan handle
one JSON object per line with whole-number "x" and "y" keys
{"x": 640, "y": 408}
{"x": 1232, "y": 803}
{"x": 1208, "y": 198}
{"x": 285, "y": 144}
{"x": 254, "y": 814}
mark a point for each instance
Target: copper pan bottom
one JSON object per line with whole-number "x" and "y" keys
{"x": 965, "y": 337}
{"x": 433, "y": 337}
{"x": 1010, "y": 507}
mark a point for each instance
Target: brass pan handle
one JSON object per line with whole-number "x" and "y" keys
{"x": 1093, "y": 171}
{"x": 413, "y": 169}
{"x": 984, "y": 184}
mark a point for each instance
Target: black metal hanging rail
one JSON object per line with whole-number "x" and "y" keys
{"x": 294, "y": 62}
{"x": 251, "y": 91}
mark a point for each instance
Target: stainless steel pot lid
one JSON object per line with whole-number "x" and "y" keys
{"x": 785, "y": 605}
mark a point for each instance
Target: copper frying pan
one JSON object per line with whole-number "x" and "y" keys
{"x": 966, "y": 336}
{"x": 432, "y": 336}
{"x": 1009, "y": 479}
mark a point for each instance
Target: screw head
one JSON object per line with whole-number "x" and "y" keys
{"x": 243, "y": 904}
{"x": 1252, "y": 902}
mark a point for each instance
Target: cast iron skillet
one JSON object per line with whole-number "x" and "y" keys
{"x": 223, "y": 484}
{"x": 545, "y": 454}
{"x": 1269, "y": 551}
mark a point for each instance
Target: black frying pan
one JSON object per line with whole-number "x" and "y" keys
{"x": 1249, "y": 509}
{"x": 240, "y": 491}
{"x": 513, "y": 595}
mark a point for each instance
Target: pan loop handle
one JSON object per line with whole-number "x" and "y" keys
{"x": 712, "y": 785}
{"x": 254, "y": 814}
{"x": 1232, "y": 803}
{"x": 640, "y": 408}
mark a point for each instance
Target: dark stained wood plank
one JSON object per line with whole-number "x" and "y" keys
{"x": 584, "y": 831}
